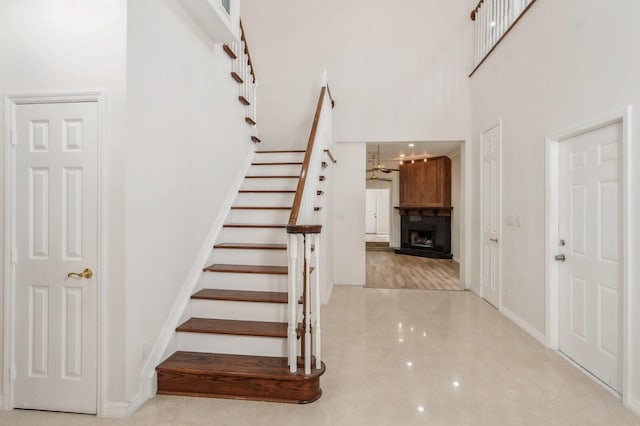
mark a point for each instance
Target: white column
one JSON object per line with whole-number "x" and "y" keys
{"x": 307, "y": 313}
{"x": 317, "y": 347}
{"x": 292, "y": 336}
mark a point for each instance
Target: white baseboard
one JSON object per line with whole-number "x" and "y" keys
{"x": 524, "y": 325}
{"x": 633, "y": 405}
{"x": 183, "y": 297}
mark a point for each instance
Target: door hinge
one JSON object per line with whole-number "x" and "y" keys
{"x": 12, "y": 373}
{"x": 14, "y": 256}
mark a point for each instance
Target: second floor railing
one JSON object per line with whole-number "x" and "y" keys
{"x": 493, "y": 19}
{"x": 305, "y": 239}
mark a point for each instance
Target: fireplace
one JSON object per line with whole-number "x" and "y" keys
{"x": 425, "y": 231}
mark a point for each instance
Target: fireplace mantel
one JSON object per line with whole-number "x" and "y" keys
{"x": 424, "y": 210}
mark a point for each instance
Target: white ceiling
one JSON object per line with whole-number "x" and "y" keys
{"x": 391, "y": 152}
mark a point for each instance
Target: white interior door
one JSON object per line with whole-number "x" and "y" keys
{"x": 371, "y": 207}
{"x": 382, "y": 211}
{"x": 56, "y": 233}
{"x": 590, "y": 227}
{"x": 491, "y": 214}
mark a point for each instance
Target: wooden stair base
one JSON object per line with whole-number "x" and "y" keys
{"x": 237, "y": 377}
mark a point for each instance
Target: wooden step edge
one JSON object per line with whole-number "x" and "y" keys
{"x": 234, "y": 327}
{"x": 236, "y": 77}
{"x": 244, "y": 100}
{"x": 272, "y": 177}
{"x": 250, "y": 246}
{"x": 250, "y": 121}
{"x": 322, "y": 178}
{"x": 317, "y": 209}
{"x": 290, "y": 151}
{"x": 242, "y": 296}
{"x": 318, "y": 192}
{"x": 229, "y": 51}
{"x": 324, "y": 165}
{"x": 268, "y": 191}
{"x": 255, "y": 139}
{"x": 247, "y": 269}
{"x": 278, "y": 164}
{"x": 254, "y": 365}
{"x": 260, "y": 208}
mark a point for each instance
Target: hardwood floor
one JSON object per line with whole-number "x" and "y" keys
{"x": 396, "y": 271}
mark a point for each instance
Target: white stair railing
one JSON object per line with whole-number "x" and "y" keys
{"x": 493, "y": 19}
{"x": 305, "y": 239}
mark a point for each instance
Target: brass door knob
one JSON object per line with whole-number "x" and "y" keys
{"x": 87, "y": 273}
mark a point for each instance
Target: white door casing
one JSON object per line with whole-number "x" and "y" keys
{"x": 371, "y": 223}
{"x": 56, "y": 232}
{"x": 490, "y": 142}
{"x": 590, "y": 220}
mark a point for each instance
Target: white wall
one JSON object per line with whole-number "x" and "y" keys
{"x": 69, "y": 46}
{"x": 456, "y": 218}
{"x": 188, "y": 140}
{"x": 565, "y": 63}
{"x": 398, "y": 70}
{"x": 348, "y": 192}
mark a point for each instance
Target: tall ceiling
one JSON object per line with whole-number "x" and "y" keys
{"x": 391, "y": 153}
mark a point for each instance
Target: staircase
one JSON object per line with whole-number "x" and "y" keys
{"x": 234, "y": 345}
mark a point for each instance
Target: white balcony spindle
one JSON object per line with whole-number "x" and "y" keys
{"x": 307, "y": 304}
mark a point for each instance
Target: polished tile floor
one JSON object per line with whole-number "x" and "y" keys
{"x": 401, "y": 357}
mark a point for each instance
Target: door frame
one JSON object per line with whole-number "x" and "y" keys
{"x": 11, "y": 103}
{"x": 552, "y": 211}
{"x": 498, "y": 124}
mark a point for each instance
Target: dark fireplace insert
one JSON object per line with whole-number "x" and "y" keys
{"x": 426, "y": 232}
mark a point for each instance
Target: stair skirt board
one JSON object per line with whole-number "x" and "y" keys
{"x": 236, "y": 377}
{"x": 268, "y": 199}
{"x": 264, "y": 216}
{"x": 276, "y": 169}
{"x": 254, "y": 235}
{"x": 235, "y": 310}
{"x": 248, "y": 282}
{"x": 252, "y": 257}
{"x": 232, "y": 344}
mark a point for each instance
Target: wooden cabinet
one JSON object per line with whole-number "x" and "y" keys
{"x": 426, "y": 184}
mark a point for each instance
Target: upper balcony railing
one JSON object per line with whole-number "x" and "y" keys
{"x": 493, "y": 20}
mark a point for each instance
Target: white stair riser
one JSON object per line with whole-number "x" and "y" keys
{"x": 275, "y": 170}
{"x": 271, "y": 217}
{"x": 255, "y": 235}
{"x": 255, "y": 199}
{"x": 248, "y": 282}
{"x": 244, "y": 311}
{"x": 250, "y": 257}
{"x": 271, "y": 183}
{"x": 284, "y": 157}
{"x": 231, "y": 344}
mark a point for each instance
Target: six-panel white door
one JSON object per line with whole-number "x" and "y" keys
{"x": 589, "y": 225}
{"x": 56, "y": 209}
{"x": 490, "y": 142}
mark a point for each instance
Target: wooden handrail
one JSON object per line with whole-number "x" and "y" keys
{"x": 243, "y": 37}
{"x": 297, "y": 201}
{"x": 513, "y": 24}
{"x": 333, "y": 103}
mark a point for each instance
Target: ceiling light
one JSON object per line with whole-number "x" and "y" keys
{"x": 456, "y": 384}
{"x": 409, "y": 363}
{"x": 413, "y": 161}
{"x": 425, "y": 160}
{"x": 411, "y": 145}
{"x": 401, "y": 162}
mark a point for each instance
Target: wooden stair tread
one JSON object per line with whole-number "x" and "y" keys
{"x": 251, "y": 246}
{"x": 244, "y": 100}
{"x": 234, "y": 327}
{"x": 248, "y": 269}
{"x": 233, "y": 365}
{"x": 250, "y": 121}
{"x": 260, "y": 207}
{"x": 253, "y": 225}
{"x": 267, "y": 191}
{"x": 237, "y": 77}
{"x": 278, "y": 164}
{"x": 242, "y": 296}
{"x": 229, "y": 52}
{"x": 255, "y": 139}
{"x": 273, "y": 177}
